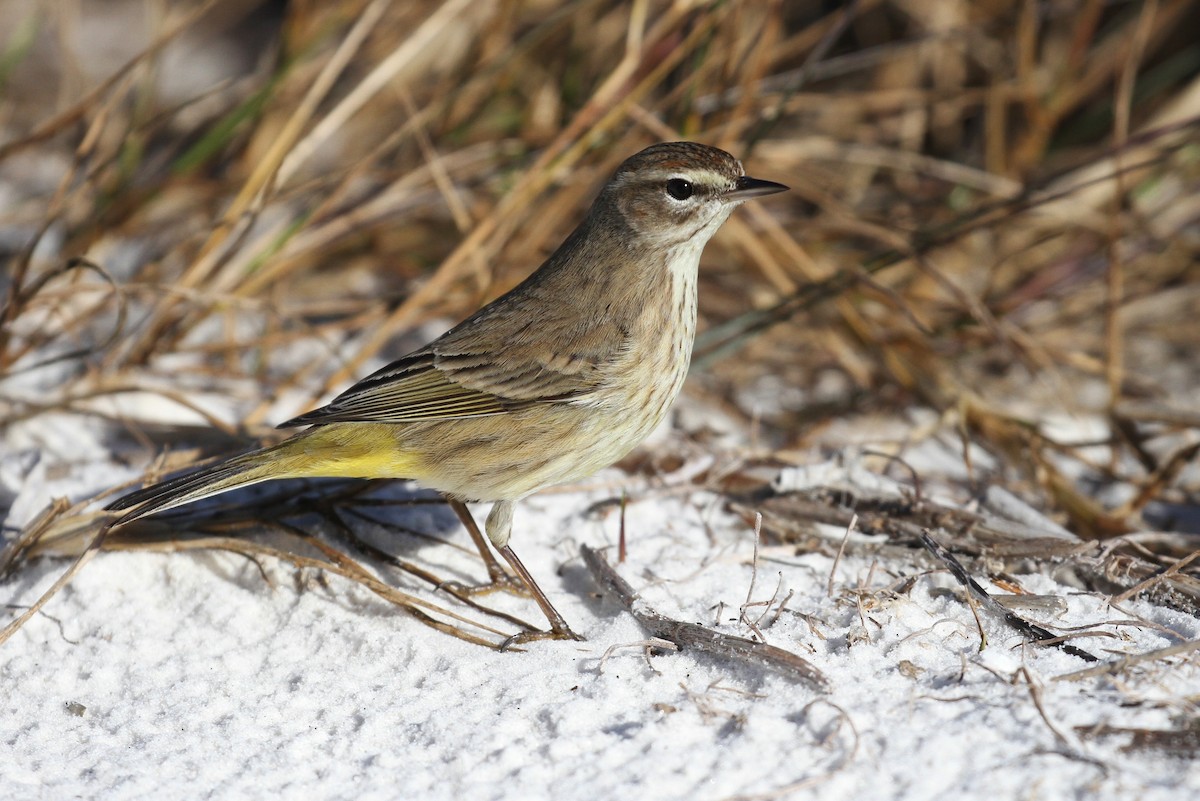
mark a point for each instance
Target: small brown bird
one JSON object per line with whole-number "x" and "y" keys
{"x": 558, "y": 378}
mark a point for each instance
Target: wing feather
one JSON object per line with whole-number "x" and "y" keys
{"x": 406, "y": 391}
{"x": 465, "y": 374}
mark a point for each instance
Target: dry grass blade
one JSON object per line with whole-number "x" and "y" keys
{"x": 241, "y": 211}
{"x": 1031, "y": 630}
{"x": 1117, "y": 666}
{"x": 93, "y": 545}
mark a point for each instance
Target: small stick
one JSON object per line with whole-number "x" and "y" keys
{"x": 1035, "y": 695}
{"x": 1115, "y": 666}
{"x": 647, "y": 645}
{"x": 754, "y": 564}
{"x": 1031, "y": 630}
{"x": 837, "y": 560}
{"x": 88, "y": 552}
{"x": 621, "y": 551}
{"x": 1156, "y": 578}
{"x": 691, "y": 635}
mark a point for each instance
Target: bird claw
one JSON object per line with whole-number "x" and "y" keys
{"x": 554, "y": 633}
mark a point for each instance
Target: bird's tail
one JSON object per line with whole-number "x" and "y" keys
{"x": 240, "y": 471}
{"x": 360, "y": 450}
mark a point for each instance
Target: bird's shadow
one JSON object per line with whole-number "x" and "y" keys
{"x": 403, "y": 544}
{"x": 383, "y": 524}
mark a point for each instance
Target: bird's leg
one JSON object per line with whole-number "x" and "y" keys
{"x": 559, "y": 630}
{"x": 498, "y": 577}
{"x": 499, "y": 529}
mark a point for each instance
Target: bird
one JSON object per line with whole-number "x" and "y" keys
{"x": 551, "y": 382}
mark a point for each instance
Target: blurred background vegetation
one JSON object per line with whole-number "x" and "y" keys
{"x": 992, "y": 233}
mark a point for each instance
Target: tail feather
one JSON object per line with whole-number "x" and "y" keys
{"x": 360, "y": 450}
{"x": 240, "y": 471}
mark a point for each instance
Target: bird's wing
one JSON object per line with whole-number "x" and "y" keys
{"x": 408, "y": 390}
{"x": 452, "y": 379}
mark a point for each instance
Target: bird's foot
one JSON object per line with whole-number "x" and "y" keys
{"x": 562, "y": 632}
{"x": 498, "y": 581}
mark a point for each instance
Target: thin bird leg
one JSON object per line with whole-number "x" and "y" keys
{"x": 559, "y": 630}
{"x": 498, "y": 577}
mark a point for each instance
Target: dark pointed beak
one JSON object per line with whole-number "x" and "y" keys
{"x": 748, "y": 187}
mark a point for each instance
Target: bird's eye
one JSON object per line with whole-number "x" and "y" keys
{"x": 680, "y": 189}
